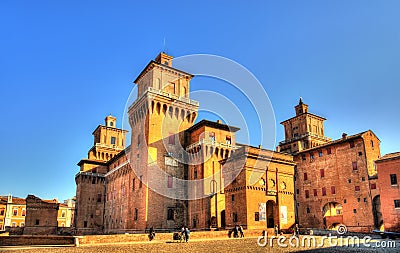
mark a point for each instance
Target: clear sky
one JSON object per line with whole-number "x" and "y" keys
{"x": 65, "y": 65}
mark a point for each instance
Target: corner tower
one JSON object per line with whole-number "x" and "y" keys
{"x": 158, "y": 118}
{"x": 305, "y": 130}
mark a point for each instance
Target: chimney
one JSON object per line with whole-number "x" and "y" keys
{"x": 260, "y": 146}
{"x": 344, "y": 135}
{"x": 9, "y": 200}
{"x": 219, "y": 121}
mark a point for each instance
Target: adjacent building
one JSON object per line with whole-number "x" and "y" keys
{"x": 336, "y": 181}
{"x": 388, "y": 167}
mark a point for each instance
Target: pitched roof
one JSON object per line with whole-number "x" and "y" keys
{"x": 390, "y": 156}
{"x": 347, "y": 138}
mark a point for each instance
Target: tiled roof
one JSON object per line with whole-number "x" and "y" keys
{"x": 347, "y": 138}
{"x": 395, "y": 155}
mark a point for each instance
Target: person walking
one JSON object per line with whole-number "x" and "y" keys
{"x": 236, "y": 231}
{"x": 241, "y": 231}
{"x": 296, "y": 230}
{"x": 276, "y": 230}
{"x": 187, "y": 234}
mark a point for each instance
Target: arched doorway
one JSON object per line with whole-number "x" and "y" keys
{"x": 271, "y": 214}
{"x": 333, "y": 214}
{"x": 376, "y": 211}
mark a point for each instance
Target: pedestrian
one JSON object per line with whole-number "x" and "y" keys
{"x": 276, "y": 230}
{"x": 296, "y": 230}
{"x": 187, "y": 234}
{"x": 241, "y": 231}
{"x": 152, "y": 233}
{"x": 236, "y": 231}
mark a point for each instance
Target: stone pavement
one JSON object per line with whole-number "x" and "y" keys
{"x": 197, "y": 245}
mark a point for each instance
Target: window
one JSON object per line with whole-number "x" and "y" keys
{"x": 308, "y": 210}
{"x": 98, "y": 197}
{"x": 372, "y": 144}
{"x": 233, "y": 197}
{"x": 323, "y": 191}
{"x": 359, "y": 153}
{"x": 228, "y": 140}
{"x": 195, "y": 173}
{"x": 397, "y": 203}
{"x": 15, "y": 212}
{"x": 354, "y": 210}
{"x": 365, "y": 199}
{"x": 351, "y": 144}
{"x": 373, "y": 186}
{"x": 235, "y": 217}
{"x": 297, "y": 191}
{"x": 170, "y": 214}
{"x": 256, "y": 216}
{"x": 170, "y": 181}
{"x": 212, "y": 136}
{"x": 322, "y": 172}
{"x": 133, "y": 184}
{"x": 333, "y": 189}
{"x": 303, "y": 157}
{"x": 349, "y": 180}
{"x": 320, "y": 154}
{"x": 171, "y": 139}
{"x": 357, "y": 188}
{"x": 393, "y": 179}
{"x": 113, "y": 140}
{"x": 111, "y": 123}
{"x": 311, "y": 156}
{"x": 63, "y": 214}
{"x": 345, "y": 201}
{"x": 138, "y": 140}
{"x": 135, "y": 217}
{"x": 37, "y": 222}
{"x": 363, "y": 178}
{"x": 307, "y": 194}
{"x": 23, "y": 212}
{"x": 141, "y": 181}
{"x": 315, "y": 192}
{"x": 358, "y": 199}
{"x": 85, "y": 224}
{"x": 2, "y": 212}
{"x": 328, "y": 151}
{"x": 354, "y": 164}
{"x": 305, "y": 176}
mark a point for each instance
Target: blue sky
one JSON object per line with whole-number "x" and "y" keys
{"x": 65, "y": 65}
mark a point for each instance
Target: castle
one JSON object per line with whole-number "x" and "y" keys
{"x": 176, "y": 172}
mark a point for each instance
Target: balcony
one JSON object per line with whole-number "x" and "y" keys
{"x": 102, "y": 145}
{"x": 172, "y": 96}
{"x": 211, "y": 143}
{"x": 305, "y": 136}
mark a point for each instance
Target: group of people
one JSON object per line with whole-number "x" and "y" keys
{"x": 295, "y": 230}
{"x": 236, "y": 230}
{"x": 185, "y": 234}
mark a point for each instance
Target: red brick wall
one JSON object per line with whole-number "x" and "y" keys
{"x": 390, "y": 214}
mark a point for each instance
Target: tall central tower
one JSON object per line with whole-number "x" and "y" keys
{"x": 158, "y": 118}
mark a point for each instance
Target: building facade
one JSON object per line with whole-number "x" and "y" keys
{"x": 388, "y": 168}
{"x": 336, "y": 181}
